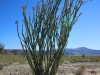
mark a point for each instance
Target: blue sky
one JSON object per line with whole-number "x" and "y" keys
{"x": 85, "y": 33}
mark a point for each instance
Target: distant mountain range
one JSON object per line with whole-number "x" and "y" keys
{"x": 67, "y": 52}
{"x": 82, "y": 50}
{"x": 13, "y": 52}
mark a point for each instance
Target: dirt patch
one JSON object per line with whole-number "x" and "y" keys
{"x": 64, "y": 69}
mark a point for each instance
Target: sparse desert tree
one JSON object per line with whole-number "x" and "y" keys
{"x": 1, "y": 47}
{"x": 49, "y": 32}
{"x": 83, "y": 57}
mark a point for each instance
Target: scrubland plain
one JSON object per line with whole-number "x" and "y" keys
{"x": 69, "y": 65}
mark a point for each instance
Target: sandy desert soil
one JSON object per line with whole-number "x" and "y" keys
{"x": 91, "y": 68}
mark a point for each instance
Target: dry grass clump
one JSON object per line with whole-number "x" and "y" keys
{"x": 7, "y": 60}
{"x": 4, "y": 64}
{"x": 80, "y": 71}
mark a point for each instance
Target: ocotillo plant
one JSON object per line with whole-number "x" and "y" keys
{"x": 49, "y": 32}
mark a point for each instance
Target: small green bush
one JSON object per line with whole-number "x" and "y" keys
{"x": 1, "y": 66}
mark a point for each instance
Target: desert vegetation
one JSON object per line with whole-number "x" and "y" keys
{"x": 12, "y": 58}
{"x": 49, "y": 32}
{"x": 71, "y": 59}
{"x": 69, "y": 65}
{"x": 1, "y": 47}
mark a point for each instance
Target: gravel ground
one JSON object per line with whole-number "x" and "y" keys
{"x": 64, "y": 69}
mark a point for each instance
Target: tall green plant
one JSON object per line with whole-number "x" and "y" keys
{"x": 1, "y": 47}
{"x": 47, "y": 30}
{"x": 83, "y": 57}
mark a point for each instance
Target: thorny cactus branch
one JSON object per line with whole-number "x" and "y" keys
{"x": 46, "y": 30}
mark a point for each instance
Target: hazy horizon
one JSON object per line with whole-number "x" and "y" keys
{"x": 66, "y": 48}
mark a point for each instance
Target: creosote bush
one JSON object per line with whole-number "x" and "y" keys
{"x": 49, "y": 32}
{"x": 1, "y": 66}
{"x": 1, "y": 47}
{"x": 83, "y": 57}
{"x": 80, "y": 71}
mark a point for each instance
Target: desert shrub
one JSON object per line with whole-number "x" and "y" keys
{"x": 97, "y": 60}
{"x": 1, "y": 47}
{"x": 1, "y": 66}
{"x": 87, "y": 60}
{"x": 80, "y": 61}
{"x": 64, "y": 58}
{"x": 22, "y": 60}
{"x": 76, "y": 58}
{"x": 80, "y": 71}
{"x": 93, "y": 58}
